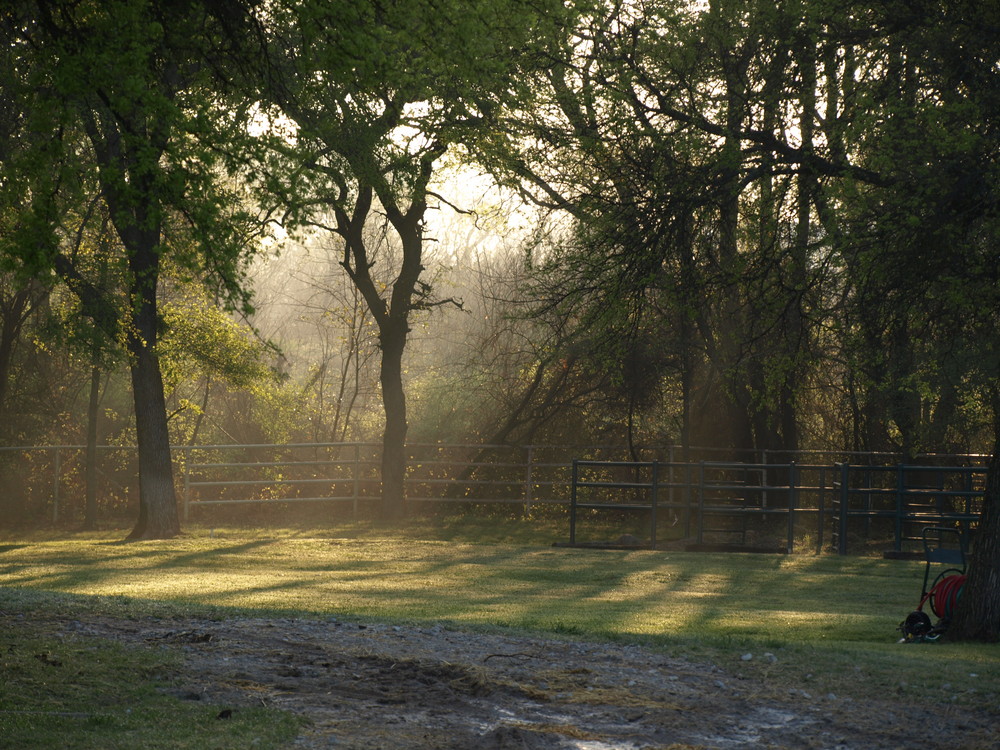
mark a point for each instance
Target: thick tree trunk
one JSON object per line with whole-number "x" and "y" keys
{"x": 977, "y": 615}
{"x": 393, "y": 327}
{"x": 158, "y": 517}
{"x": 393, "y": 340}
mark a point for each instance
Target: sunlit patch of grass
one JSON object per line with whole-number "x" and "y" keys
{"x": 661, "y": 593}
{"x": 819, "y": 617}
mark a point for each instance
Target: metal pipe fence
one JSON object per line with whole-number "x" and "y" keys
{"x": 775, "y": 506}
{"x": 47, "y": 481}
{"x": 833, "y": 505}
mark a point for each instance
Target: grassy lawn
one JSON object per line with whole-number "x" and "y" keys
{"x": 830, "y": 622}
{"x": 82, "y": 693}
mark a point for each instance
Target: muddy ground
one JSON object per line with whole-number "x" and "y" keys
{"x": 385, "y": 686}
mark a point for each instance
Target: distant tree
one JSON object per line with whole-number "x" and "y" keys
{"x": 342, "y": 349}
{"x": 377, "y": 95}
{"x": 653, "y": 137}
{"x": 18, "y": 299}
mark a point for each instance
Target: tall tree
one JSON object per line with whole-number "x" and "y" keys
{"x": 25, "y": 199}
{"x": 378, "y": 93}
{"x": 130, "y": 81}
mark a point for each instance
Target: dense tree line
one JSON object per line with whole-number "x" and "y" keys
{"x": 751, "y": 226}
{"x": 792, "y": 200}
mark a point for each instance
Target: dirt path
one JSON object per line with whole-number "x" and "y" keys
{"x": 399, "y": 687}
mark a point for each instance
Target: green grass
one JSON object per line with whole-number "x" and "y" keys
{"x": 599, "y": 593}
{"x": 830, "y": 621}
{"x": 80, "y": 693}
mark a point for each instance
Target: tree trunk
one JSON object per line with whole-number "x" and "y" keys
{"x": 158, "y": 517}
{"x": 193, "y": 440}
{"x": 393, "y": 340}
{"x": 394, "y": 327}
{"x": 977, "y": 615}
{"x": 392, "y": 320}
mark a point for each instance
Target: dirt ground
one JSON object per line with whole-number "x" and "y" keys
{"x": 385, "y": 686}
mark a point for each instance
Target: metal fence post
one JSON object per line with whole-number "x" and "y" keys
{"x": 900, "y": 506}
{"x": 765, "y": 480}
{"x": 187, "y": 482}
{"x": 845, "y": 475}
{"x": 671, "y": 494}
{"x": 357, "y": 481}
{"x": 56, "y": 470}
{"x": 701, "y": 501}
{"x": 529, "y": 460}
{"x": 821, "y": 510}
{"x": 687, "y": 497}
{"x": 572, "y": 503}
{"x": 655, "y": 494}
{"x": 792, "y": 502}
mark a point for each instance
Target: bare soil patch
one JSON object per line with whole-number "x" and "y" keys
{"x": 404, "y": 686}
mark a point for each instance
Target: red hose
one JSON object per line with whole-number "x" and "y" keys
{"x": 945, "y": 595}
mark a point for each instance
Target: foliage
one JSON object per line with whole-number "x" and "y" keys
{"x": 376, "y": 95}
{"x": 128, "y": 116}
{"x": 201, "y": 339}
{"x": 751, "y": 191}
